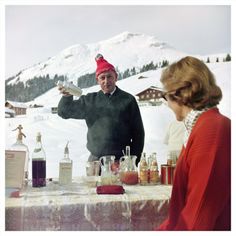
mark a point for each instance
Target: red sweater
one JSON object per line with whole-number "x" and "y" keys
{"x": 201, "y": 191}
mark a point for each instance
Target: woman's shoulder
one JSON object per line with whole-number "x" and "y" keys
{"x": 212, "y": 119}
{"x": 213, "y": 115}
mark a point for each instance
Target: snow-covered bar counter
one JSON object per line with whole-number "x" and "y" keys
{"x": 79, "y": 207}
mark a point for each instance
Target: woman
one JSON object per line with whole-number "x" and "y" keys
{"x": 201, "y": 191}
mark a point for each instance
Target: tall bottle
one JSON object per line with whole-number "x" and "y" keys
{"x": 143, "y": 170}
{"x": 20, "y": 146}
{"x": 38, "y": 164}
{"x": 154, "y": 173}
{"x": 65, "y": 168}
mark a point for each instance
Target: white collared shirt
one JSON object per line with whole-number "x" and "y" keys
{"x": 111, "y": 93}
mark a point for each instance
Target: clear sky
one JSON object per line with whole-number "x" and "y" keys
{"x": 35, "y": 33}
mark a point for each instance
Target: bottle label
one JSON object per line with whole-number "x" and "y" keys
{"x": 65, "y": 173}
{"x": 154, "y": 176}
{"x": 143, "y": 176}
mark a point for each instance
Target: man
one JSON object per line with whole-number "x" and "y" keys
{"x": 112, "y": 116}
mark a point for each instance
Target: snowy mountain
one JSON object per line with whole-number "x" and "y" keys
{"x": 126, "y": 50}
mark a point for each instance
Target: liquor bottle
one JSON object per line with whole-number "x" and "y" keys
{"x": 143, "y": 170}
{"x": 38, "y": 164}
{"x": 20, "y": 146}
{"x": 65, "y": 168}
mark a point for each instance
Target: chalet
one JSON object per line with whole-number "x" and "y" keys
{"x": 18, "y": 107}
{"x": 150, "y": 96}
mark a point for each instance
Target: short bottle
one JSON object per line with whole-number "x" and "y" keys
{"x": 65, "y": 168}
{"x": 38, "y": 164}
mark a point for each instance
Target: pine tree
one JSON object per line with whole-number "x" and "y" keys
{"x": 133, "y": 71}
{"x": 126, "y": 74}
{"x": 228, "y": 58}
{"x": 164, "y": 63}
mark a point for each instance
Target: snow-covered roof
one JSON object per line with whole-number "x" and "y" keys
{"x": 8, "y": 110}
{"x": 17, "y": 104}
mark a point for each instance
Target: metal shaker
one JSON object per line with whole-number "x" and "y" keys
{"x": 70, "y": 88}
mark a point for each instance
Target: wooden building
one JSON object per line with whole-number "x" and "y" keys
{"x": 150, "y": 96}
{"x": 18, "y": 107}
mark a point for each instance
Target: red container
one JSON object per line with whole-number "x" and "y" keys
{"x": 110, "y": 189}
{"x": 129, "y": 177}
{"x": 167, "y": 174}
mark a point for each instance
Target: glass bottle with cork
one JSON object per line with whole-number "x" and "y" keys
{"x": 38, "y": 164}
{"x": 20, "y": 146}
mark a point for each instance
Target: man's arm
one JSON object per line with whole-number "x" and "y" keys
{"x": 69, "y": 108}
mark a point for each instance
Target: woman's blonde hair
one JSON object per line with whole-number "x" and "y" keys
{"x": 189, "y": 82}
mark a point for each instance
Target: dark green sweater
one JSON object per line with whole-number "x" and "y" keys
{"x": 113, "y": 123}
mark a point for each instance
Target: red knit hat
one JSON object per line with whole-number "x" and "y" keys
{"x": 103, "y": 65}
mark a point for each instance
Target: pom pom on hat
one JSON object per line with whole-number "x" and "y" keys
{"x": 103, "y": 65}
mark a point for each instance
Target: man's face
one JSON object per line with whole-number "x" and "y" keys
{"x": 107, "y": 81}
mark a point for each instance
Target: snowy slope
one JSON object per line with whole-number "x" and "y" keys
{"x": 78, "y": 59}
{"x": 56, "y": 131}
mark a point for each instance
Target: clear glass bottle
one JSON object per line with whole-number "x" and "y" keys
{"x": 143, "y": 170}
{"x": 20, "y": 146}
{"x": 154, "y": 173}
{"x": 65, "y": 168}
{"x": 38, "y": 164}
